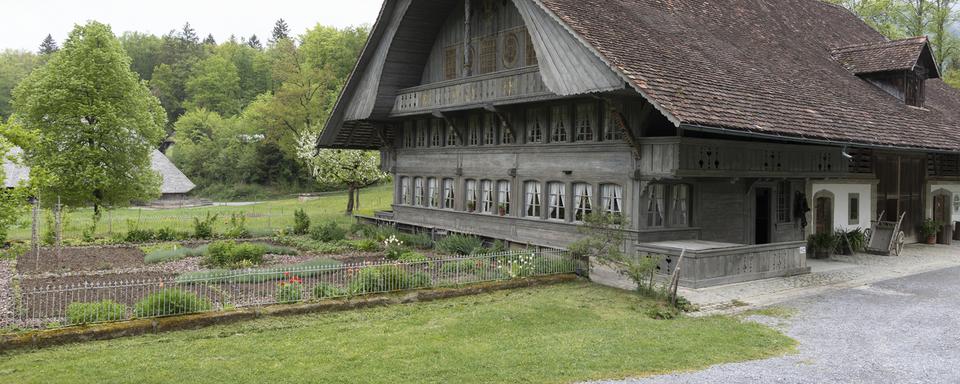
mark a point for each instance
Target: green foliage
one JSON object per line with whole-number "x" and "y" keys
{"x": 231, "y": 254}
{"x": 174, "y": 253}
{"x": 365, "y": 245}
{"x": 289, "y": 291}
{"x": 98, "y": 312}
{"x": 15, "y": 65}
{"x": 309, "y": 245}
{"x": 930, "y": 227}
{"x": 851, "y": 241}
{"x": 204, "y": 228}
{"x": 13, "y": 251}
{"x": 237, "y": 228}
{"x": 328, "y": 232}
{"x": 387, "y": 278}
{"x": 282, "y": 272}
{"x": 466, "y": 266}
{"x": 823, "y": 242}
{"x": 326, "y": 290}
{"x": 354, "y": 168}
{"x": 459, "y": 245}
{"x": 170, "y": 301}
{"x": 136, "y": 235}
{"x": 88, "y": 90}
{"x": 215, "y": 86}
{"x": 416, "y": 240}
{"x": 170, "y": 234}
{"x": 412, "y": 257}
{"x": 394, "y": 248}
{"x": 301, "y": 222}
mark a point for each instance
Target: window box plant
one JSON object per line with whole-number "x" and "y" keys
{"x": 929, "y": 230}
{"x": 471, "y": 206}
{"x": 502, "y": 208}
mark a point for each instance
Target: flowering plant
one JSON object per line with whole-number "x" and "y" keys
{"x": 289, "y": 290}
{"x": 519, "y": 267}
{"x": 394, "y": 248}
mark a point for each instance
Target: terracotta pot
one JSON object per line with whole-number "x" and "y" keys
{"x": 932, "y": 240}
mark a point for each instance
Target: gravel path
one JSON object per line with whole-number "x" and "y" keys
{"x": 6, "y": 293}
{"x": 905, "y": 330}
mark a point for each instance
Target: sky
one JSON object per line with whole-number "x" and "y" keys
{"x": 26, "y": 22}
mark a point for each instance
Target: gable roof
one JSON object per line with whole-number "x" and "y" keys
{"x": 174, "y": 181}
{"x": 758, "y": 67}
{"x": 887, "y": 56}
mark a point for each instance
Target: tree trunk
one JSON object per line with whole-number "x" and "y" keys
{"x": 351, "y": 190}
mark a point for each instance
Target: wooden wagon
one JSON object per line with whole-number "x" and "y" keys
{"x": 886, "y": 237}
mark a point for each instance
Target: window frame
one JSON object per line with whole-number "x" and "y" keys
{"x": 585, "y": 123}
{"x": 470, "y": 195}
{"x": 583, "y": 193}
{"x": 504, "y": 189}
{"x": 533, "y": 199}
{"x": 610, "y": 202}
{"x": 559, "y": 123}
{"x": 537, "y": 122}
{"x": 449, "y": 194}
{"x": 418, "y": 192}
{"x": 853, "y": 208}
{"x": 487, "y": 197}
{"x": 433, "y": 193}
{"x": 557, "y": 201}
{"x": 783, "y": 203}
{"x": 405, "y": 188}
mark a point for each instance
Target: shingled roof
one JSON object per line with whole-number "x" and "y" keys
{"x": 887, "y": 56}
{"x": 760, "y": 67}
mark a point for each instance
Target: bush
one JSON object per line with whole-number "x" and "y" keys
{"x": 98, "y": 312}
{"x": 385, "y": 279}
{"x": 366, "y": 231}
{"x": 412, "y": 257}
{"x": 459, "y": 245}
{"x": 328, "y": 233}
{"x": 393, "y": 248}
{"x": 326, "y": 291}
{"x": 301, "y": 222}
{"x": 237, "y": 228}
{"x": 231, "y": 254}
{"x": 170, "y": 234}
{"x": 289, "y": 291}
{"x": 170, "y": 301}
{"x": 418, "y": 241}
{"x": 203, "y": 229}
{"x": 164, "y": 255}
{"x": 466, "y": 266}
{"x": 136, "y": 235}
{"x": 366, "y": 245}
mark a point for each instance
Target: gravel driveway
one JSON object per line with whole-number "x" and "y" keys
{"x": 897, "y": 331}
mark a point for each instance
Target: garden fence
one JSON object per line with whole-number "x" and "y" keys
{"x": 92, "y": 302}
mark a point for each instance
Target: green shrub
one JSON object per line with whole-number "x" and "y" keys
{"x": 98, "y": 312}
{"x": 498, "y": 247}
{"x": 231, "y": 254}
{"x": 164, "y": 255}
{"x": 170, "y": 301}
{"x": 459, "y": 245}
{"x": 170, "y": 234}
{"x": 412, "y": 257}
{"x": 394, "y": 248}
{"x": 204, "y": 229}
{"x": 328, "y": 233}
{"x": 366, "y": 231}
{"x": 467, "y": 266}
{"x": 237, "y": 228}
{"x": 136, "y": 235}
{"x": 301, "y": 222}
{"x": 366, "y": 245}
{"x": 277, "y": 273}
{"x": 385, "y": 279}
{"x": 289, "y": 291}
{"x": 280, "y": 250}
{"x": 14, "y": 250}
{"x": 418, "y": 241}
{"x": 326, "y": 291}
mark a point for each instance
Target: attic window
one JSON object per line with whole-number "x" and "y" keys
{"x": 914, "y": 91}
{"x": 899, "y": 67}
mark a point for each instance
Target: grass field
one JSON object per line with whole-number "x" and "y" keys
{"x": 564, "y": 333}
{"x": 262, "y": 218}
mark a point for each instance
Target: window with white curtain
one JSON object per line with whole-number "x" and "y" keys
{"x": 505, "y": 134}
{"x": 560, "y": 119}
{"x": 611, "y": 125}
{"x": 489, "y": 129}
{"x": 476, "y": 128}
{"x": 586, "y": 120}
{"x": 680, "y": 208}
{"x": 418, "y": 198}
{"x": 405, "y": 191}
{"x": 582, "y": 200}
{"x": 433, "y": 193}
{"x": 656, "y": 208}
{"x": 471, "y": 195}
{"x": 532, "y": 193}
{"x": 448, "y": 194}
{"x": 611, "y": 198}
{"x": 536, "y": 125}
{"x": 423, "y": 131}
{"x": 486, "y": 196}
{"x": 556, "y": 201}
{"x": 436, "y": 133}
{"x": 409, "y": 134}
{"x": 451, "y": 136}
{"x": 503, "y": 197}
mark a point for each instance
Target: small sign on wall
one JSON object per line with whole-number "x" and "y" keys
{"x": 803, "y": 250}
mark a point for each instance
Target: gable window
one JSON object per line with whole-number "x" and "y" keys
{"x": 450, "y": 63}
{"x": 913, "y": 92}
{"x": 557, "y": 201}
{"x": 583, "y": 200}
{"x": 611, "y": 198}
{"x": 471, "y": 195}
{"x": 585, "y": 121}
{"x": 532, "y": 194}
{"x": 611, "y": 125}
{"x": 656, "y": 210}
{"x": 448, "y": 194}
{"x": 854, "y": 216}
{"x": 486, "y": 194}
{"x": 433, "y": 193}
{"x": 418, "y": 199}
{"x": 783, "y": 202}
{"x": 488, "y": 55}
{"x": 490, "y": 129}
{"x": 475, "y": 129}
{"x": 405, "y": 191}
{"x": 436, "y": 133}
{"x": 503, "y": 197}
{"x": 536, "y": 125}
{"x": 680, "y": 209}
{"x": 560, "y": 119}
{"x": 451, "y": 135}
{"x": 505, "y": 136}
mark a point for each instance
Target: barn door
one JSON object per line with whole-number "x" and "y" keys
{"x": 941, "y": 213}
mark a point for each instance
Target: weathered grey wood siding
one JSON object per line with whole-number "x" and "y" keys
{"x": 702, "y": 269}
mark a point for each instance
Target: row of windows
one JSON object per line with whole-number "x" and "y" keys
{"x": 496, "y": 197}
{"x": 662, "y": 212}
{"x": 559, "y": 123}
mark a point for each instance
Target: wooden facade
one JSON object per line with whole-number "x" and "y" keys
{"x": 496, "y": 121}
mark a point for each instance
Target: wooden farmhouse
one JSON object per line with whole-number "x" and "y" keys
{"x": 732, "y": 128}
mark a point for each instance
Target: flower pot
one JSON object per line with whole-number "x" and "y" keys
{"x": 932, "y": 240}
{"x": 503, "y": 211}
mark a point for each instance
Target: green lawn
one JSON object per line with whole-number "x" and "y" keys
{"x": 262, "y": 218}
{"x": 563, "y": 333}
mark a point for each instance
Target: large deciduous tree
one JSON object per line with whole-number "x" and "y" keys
{"x": 14, "y": 67}
{"x": 215, "y": 85}
{"x": 95, "y": 123}
{"x": 353, "y": 168}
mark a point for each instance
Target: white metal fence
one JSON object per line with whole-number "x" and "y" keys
{"x": 97, "y": 301}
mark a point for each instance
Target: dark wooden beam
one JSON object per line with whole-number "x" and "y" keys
{"x": 621, "y": 122}
{"x": 504, "y": 122}
{"x": 461, "y": 138}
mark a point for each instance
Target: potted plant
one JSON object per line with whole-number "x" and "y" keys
{"x": 850, "y": 242}
{"x": 823, "y": 245}
{"x": 929, "y": 230}
{"x": 471, "y": 206}
{"x": 502, "y": 208}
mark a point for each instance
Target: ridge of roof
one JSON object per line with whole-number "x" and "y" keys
{"x": 919, "y": 40}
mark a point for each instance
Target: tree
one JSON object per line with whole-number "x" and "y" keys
{"x": 189, "y": 34}
{"x": 280, "y": 31}
{"x": 254, "y": 43}
{"x": 886, "y": 16}
{"x": 95, "y": 123}
{"x": 352, "y": 168}
{"x": 14, "y": 67}
{"x": 942, "y": 38}
{"x": 210, "y": 40}
{"x": 181, "y": 50}
{"x": 48, "y": 46}
{"x": 215, "y": 85}
{"x": 13, "y": 201}
{"x": 144, "y": 50}
{"x": 916, "y": 17}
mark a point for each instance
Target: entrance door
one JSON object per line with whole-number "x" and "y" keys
{"x": 764, "y": 212}
{"x": 824, "y": 207}
{"x": 941, "y": 213}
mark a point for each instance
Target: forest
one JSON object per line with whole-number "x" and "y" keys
{"x": 237, "y": 111}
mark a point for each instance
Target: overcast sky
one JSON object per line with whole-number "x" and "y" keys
{"x": 26, "y": 22}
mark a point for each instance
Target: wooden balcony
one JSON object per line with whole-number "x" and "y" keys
{"x": 690, "y": 157}
{"x": 521, "y": 85}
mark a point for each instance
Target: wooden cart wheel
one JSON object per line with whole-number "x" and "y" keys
{"x": 898, "y": 245}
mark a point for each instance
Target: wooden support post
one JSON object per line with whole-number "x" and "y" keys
{"x": 461, "y": 138}
{"x": 675, "y": 279}
{"x": 504, "y": 122}
{"x": 466, "y": 39}
{"x": 628, "y": 135}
